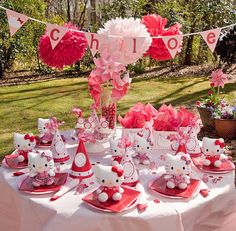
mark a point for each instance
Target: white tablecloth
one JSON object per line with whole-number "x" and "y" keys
{"x": 20, "y": 211}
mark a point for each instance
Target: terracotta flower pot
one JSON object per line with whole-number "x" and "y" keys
{"x": 205, "y": 115}
{"x": 226, "y": 128}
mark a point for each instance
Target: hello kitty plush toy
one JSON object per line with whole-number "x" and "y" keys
{"x": 177, "y": 171}
{"x": 41, "y": 166}
{"x": 24, "y": 143}
{"x": 45, "y": 134}
{"x": 142, "y": 147}
{"x": 117, "y": 150}
{"x": 213, "y": 150}
{"x": 110, "y": 179}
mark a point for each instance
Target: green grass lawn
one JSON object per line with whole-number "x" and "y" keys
{"x": 20, "y": 106}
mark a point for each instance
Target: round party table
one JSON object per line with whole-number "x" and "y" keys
{"x": 21, "y": 211}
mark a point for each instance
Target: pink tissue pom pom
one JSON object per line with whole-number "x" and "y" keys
{"x": 156, "y": 27}
{"x": 68, "y": 51}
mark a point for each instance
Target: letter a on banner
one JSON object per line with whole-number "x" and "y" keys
{"x": 94, "y": 41}
{"x": 15, "y": 21}
{"x": 173, "y": 43}
{"x": 55, "y": 33}
{"x": 211, "y": 37}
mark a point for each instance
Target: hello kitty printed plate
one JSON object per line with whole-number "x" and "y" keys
{"x": 10, "y": 161}
{"x": 26, "y": 185}
{"x": 226, "y": 166}
{"x": 159, "y": 186}
{"x": 128, "y": 201}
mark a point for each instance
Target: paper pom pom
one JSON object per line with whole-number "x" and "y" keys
{"x": 116, "y": 46}
{"x": 156, "y": 27}
{"x": 68, "y": 51}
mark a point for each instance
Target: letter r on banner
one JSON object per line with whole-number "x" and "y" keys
{"x": 173, "y": 43}
{"x": 211, "y": 37}
{"x": 56, "y": 33}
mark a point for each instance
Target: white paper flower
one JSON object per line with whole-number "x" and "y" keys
{"x": 120, "y": 43}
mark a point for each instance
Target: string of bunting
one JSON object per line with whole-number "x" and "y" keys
{"x": 56, "y": 33}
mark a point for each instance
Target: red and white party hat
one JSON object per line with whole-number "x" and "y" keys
{"x": 58, "y": 148}
{"x": 81, "y": 166}
{"x": 181, "y": 149}
{"x": 130, "y": 173}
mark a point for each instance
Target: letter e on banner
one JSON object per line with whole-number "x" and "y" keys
{"x": 173, "y": 43}
{"x": 55, "y": 33}
{"x": 211, "y": 37}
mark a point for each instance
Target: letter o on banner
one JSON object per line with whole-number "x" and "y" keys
{"x": 172, "y": 43}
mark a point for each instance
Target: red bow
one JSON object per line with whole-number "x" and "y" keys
{"x": 29, "y": 137}
{"x": 117, "y": 170}
{"x": 221, "y": 144}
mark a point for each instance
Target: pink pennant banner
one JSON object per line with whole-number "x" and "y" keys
{"x": 55, "y": 33}
{"x": 211, "y": 37}
{"x": 15, "y": 21}
{"x": 94, "y": 41}
{"x": 134, "y": 45}
{"x": 173, "y": 43}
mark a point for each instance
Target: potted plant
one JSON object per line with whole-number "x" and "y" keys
{"x": 207, "y": 105}
{"x": 225, "y": 121}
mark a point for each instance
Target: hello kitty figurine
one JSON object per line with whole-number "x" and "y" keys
{"x": 142, "y": 147}
{"x": 177, "y": 171}
{"x": 110, "y": 179}
{"x": 117, "y": 150}
{"x": 45, "y": 135}
{"x": 24, "y": 143}
{"x": 213, "y": 150}
{"x": 41, "y": 166}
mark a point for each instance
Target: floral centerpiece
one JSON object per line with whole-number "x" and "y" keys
{"x": 207, "y": 105}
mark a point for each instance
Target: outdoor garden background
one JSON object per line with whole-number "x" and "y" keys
{"x": 29, "y": 89}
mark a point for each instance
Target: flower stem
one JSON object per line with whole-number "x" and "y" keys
{"x": 218, "y": 90}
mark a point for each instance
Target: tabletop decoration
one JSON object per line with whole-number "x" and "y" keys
{"x": 68, "y": 51}
{"x": 143, "y": 146}
{"x": 169, "y": 122}
{"x": 131, "y": 177}
{"x": 117, "y": 150}
{"x": 178, "y": 168}
{"x": 214, "y": 159}
{"x": 213, "y": 150}
{"x": 23, "y": 143}
{"x": 81, "y": 167}
{"x": 46, "y": 128}
{"x": 41, "y": 166}
{"x": 110, "y": 179}
{"x": 58, "y": 148}
{"x": 138, "y": 117}
{"x": 156, "y": 27}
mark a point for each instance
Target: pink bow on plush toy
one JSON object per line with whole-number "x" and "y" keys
{"x": 43, "y": 154}
{"x": 188, "y": 161}
{"x": 53, "y": 124}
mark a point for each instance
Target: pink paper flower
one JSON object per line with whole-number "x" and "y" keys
{"x": 107, "y": 67}
{"x": 218, "y": 78}
{"x": 156, "y": 27}
{"x": 69, "y": 50}
{"x": 118, "y": 29}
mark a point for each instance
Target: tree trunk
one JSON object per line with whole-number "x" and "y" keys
{"x": 68, "y": 11}
{"x": 188, "y": 53}
{"x": 93, "y": 12}
{"x": 1, "y": 71}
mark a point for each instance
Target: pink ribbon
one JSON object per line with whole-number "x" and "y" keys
{"x": 43, "y": 154}
{"x": 53, "y": 124}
